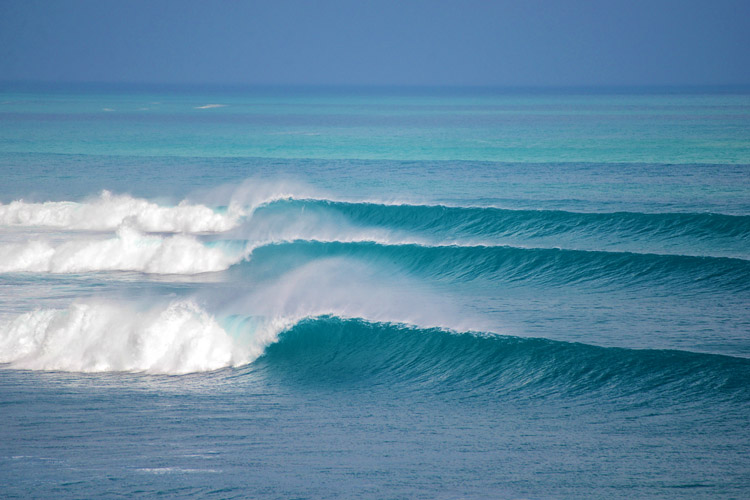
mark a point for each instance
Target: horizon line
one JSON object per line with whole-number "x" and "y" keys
{"x": 20, "y": 85}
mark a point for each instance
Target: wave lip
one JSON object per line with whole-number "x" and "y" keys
{"x": 109, "y": 211}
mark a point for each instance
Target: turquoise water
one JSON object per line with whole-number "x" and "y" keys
{"x": 405, "y": 293}
{"x": 678, "y": 128}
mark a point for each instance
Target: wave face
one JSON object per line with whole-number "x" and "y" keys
{"x": 548, "y": 267}
{"x": 697, "y": 234}
{"x": 330, "y": 349}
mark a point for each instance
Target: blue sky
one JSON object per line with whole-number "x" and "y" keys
{"x": 358, "y": 42}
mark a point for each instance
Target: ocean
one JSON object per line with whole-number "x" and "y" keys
{"x": 374, "y": 293}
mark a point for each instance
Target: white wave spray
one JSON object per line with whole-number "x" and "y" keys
{"x": 130, "y": 250}
{"x": 109, "y": 211}
{"x": 180, "y": 338}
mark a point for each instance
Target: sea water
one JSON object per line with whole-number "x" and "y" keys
{"x": 374, "y": 293}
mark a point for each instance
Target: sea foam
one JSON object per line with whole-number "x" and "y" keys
{"x": 129, "y": 250}
{"x": 97, "y": 337}
{"x": 109, "y": 211}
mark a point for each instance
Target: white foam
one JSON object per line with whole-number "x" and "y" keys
{"x": 130, "y": 250}
{"x": 109, "y": 211}
{"x": 98, "y": 337}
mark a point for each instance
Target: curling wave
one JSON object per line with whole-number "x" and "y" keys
{"x": 182, "y": 338}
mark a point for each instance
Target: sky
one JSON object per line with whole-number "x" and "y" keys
{"x": 535, "y": 43}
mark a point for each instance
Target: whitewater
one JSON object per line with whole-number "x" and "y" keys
{"x": 536, "y": 306}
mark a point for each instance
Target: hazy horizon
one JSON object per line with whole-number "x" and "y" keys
{"x": 337, "y": 43}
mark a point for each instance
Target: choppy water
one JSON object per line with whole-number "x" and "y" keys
{"x": 402, "y": 294}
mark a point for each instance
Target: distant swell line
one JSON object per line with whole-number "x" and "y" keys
{"x": 514, "y": 264}
{"x": 181, "y": 254}
{"x": 483, "y": 216}
{"x": 727, "y": 234}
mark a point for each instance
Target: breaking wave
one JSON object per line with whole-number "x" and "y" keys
{"x": 182, "y": 338}
{"x": 90, "y": 337}
{"x": 129, "y": 250}
{"x": 109, "y": 211}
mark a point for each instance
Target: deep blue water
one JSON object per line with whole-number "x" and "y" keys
{"x": 374, "y": 294}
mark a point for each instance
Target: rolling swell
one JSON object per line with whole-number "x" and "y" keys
{"x": 330, "y": 349}
{"x": 694, "y": 233}
{"x": 503, "y": 264}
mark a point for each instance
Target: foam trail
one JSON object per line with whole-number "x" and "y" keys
{"x": 98, "y": 337}
{"x": 130, "y": 250}
{"x": 109, "y": 211}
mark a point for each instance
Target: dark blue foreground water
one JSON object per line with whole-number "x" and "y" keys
{"x": 374, "y": 295}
